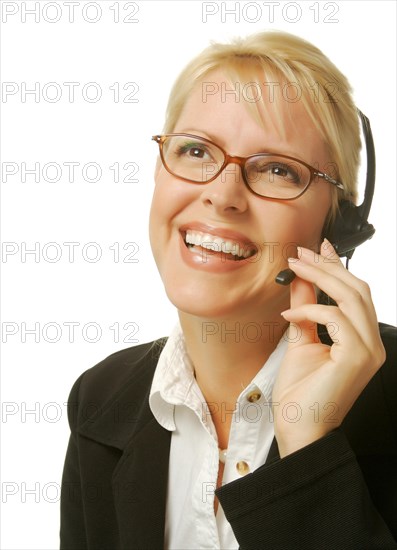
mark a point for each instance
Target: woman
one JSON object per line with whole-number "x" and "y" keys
{"x": 296, "y": 435}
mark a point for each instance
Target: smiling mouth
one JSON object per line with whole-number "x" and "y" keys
{"x": 207, "y": 244}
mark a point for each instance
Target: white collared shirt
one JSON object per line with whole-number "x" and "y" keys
{"x": 178, "y": 405}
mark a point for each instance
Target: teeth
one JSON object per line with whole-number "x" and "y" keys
{"x": 217, "y": 244}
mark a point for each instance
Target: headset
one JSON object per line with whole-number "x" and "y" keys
{"x": 350, "y": 227}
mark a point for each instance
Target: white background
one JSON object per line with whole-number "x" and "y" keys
{"x": 150, "y": 52}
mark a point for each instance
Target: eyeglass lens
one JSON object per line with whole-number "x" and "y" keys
{"x": 268, "y": 175}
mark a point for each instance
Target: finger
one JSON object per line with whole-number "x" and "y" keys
{"x": 329, "y": 253}
{"x": 341, "y": 330}
{"x": 352, "y": 303}
{"x": 302, "y": 292}
{"x": 330, "y": 256}
{"x": 329, "y": 262}
{"x": 348, "y": 344}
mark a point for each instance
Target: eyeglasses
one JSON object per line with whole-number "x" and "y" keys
{"x": 198, "y": 160}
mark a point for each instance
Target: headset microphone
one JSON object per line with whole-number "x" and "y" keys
{"x": 350, "y": 228}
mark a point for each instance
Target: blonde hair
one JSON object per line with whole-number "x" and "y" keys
{"x": 324, "y": 91}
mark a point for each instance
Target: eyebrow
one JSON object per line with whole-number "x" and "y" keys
{"x": 197, "y": 133}
{"x": 215, "y": 139}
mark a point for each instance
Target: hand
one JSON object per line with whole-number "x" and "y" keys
{"x": 317, "y": 384}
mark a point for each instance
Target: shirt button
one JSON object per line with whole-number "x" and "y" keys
{"x": 242, "y": 467}
{"x": 254, "y": 396}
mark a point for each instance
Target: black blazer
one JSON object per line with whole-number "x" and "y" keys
{"x": 337, "y": 493}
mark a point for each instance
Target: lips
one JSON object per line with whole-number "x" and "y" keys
{"x": 230, "y": 245}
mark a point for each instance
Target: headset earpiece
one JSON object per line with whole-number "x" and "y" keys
{"x": 351, "y": 228}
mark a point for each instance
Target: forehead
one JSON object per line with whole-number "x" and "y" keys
{"x": 246, "y": 114}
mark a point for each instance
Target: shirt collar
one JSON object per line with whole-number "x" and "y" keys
{"x": 174, "y": 382}
{"x": 173, "y": 378}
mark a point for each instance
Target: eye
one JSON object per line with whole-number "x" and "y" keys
{"x": 276, "y": 171}
{"x": 193, "y": 150}
{"x": 283, "y": 171}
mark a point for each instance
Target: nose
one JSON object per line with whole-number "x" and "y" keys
{"x": 227, "y": 193}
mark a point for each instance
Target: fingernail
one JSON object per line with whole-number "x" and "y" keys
{"x": 304, "y": 254}
{"x": 327, "y": 246}
{"x": 326, "y": 241}
{"x": 299, "y": 253}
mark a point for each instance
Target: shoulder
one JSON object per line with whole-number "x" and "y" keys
{"x": 105, "y": 380}
{"x": 388, "y": 372}
{"x": 389, "y": 338}
{"x": 388, "y": 334}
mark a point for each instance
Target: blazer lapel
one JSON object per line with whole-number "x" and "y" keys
{"x": 140, "y": 474}
{"x": 140, "y": 488}
{"x": 273, "y": 453}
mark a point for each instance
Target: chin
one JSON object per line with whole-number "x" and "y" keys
{"x": 199, "y": 300}
{"x": 212, "y": 300}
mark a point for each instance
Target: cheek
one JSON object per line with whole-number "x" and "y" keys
{"x": 155, "y": 210}
{"x": 158, "y": 215}
{"x": 170, "y": 197}
{"x": 312, "y": 217}
{"x": 296, "y": 223}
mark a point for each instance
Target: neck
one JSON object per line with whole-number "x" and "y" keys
{"x": 227, "y": 354}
